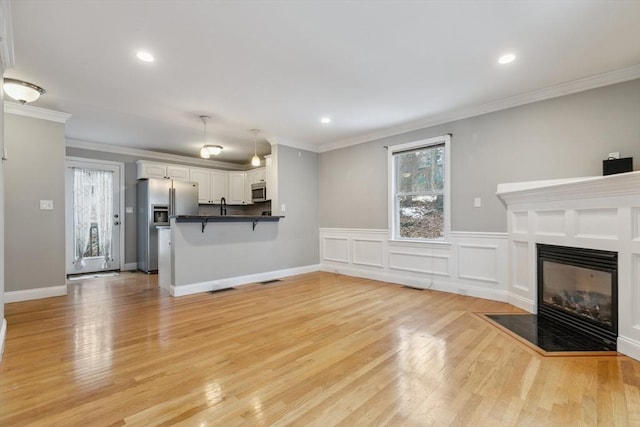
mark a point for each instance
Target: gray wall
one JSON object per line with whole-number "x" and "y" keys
{"x": 298, "y": 188}
{"x": 34, "y": 171}
{"x": 562, "y": 137}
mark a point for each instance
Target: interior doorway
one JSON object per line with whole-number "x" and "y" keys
{"x": 94, "y": 217}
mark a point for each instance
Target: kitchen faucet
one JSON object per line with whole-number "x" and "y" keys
{"x": 223, "y": 206}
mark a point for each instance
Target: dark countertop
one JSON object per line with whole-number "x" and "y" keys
{"x": 226, "y": 218}
{"x": 206, "y": 219}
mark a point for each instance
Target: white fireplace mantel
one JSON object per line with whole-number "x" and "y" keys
{"x": 592, "y": 212}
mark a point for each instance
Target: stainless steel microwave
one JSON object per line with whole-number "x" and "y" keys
{"x": 259, "y": 192}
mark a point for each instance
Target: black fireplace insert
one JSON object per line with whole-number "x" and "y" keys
{"x": 578, "y": 289}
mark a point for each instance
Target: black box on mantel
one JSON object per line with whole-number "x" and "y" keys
{"x": 612, "y": 166}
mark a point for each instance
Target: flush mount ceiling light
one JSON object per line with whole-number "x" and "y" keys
{"x": 325, "y": 120}
{"x": 208, "y": 150}
{"x": 507, "y": 58}
{"x": 22, "y": 91}
{"x": 145, "y": 56}
{"x": 255, "y": 160}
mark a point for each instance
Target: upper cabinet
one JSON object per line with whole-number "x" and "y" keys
{"x": 212, "y": 184}
{"x": 237, "y": 189}
{"x": 146, "y": 169}
{"x": 255, "y": 175}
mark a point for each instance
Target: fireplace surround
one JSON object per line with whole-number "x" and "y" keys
{"x": 599, "y": 213}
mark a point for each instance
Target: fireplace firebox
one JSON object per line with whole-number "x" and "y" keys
{"x": 577, "y": 288}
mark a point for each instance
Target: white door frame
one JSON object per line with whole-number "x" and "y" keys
{"x": 81, "y": 162}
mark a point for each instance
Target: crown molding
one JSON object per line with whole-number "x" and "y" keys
{"x": 35, "y": 112}
{"x": 276, "y": 140}
{"x": 117, "y": 149}
{"x": 7, "y": 57}
{"x": 567, "y": 88}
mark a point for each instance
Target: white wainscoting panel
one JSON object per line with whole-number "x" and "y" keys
{"x": 520, "y": 222}
{"x": 336, "y": 249}
{"x": 635, "y": 221}
{"x": 520, "y": 266}
{"x": 635, "y": 290}
{"x": 478, "y": 262}
{"x": 419, "y": 262}
{"x": 551, "y": 222}
{"x": 368, "y": 252}
{"x": 597, "y": 223}
{"x": 469, "y": 264}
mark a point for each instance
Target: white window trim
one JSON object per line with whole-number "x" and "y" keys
{"x": 446, "y": 139}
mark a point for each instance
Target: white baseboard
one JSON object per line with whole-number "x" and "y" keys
{"x": 214, "y": 285}
{"x": 629, "y": 347}
{"x": 3, "y": 334}
{"x": 521, "y": 302}
{"x": 38, "y": 293}
{"x": 130, "y": 266}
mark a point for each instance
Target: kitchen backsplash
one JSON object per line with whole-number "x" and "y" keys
{"x": 255, "y": 209}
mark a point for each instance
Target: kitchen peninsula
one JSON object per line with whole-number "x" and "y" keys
{"x": 203, "y": 253}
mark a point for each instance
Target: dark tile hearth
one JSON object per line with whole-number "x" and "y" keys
{"x": 545, "y": 334}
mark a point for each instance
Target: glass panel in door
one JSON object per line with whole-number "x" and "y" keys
{"x": 93, "y": 241}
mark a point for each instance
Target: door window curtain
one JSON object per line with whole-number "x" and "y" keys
{"x": 92, "y": 205}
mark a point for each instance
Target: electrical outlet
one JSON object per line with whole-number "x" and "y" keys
{"x": 128, "y": 209}
{"x": 283, "y": 207}
{"x": 477, "y": 202}
{"x": 615, "y": 155}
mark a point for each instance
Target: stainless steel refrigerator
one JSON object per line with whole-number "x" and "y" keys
{"x": 158, "y": 199}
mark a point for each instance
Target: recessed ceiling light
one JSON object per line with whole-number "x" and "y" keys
{"x": 325, "y": 120}
{"x": 145, "y": 56}
{"x": 505, "y": 59}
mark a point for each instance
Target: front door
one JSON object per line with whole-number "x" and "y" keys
{"x": 93, "y": 217}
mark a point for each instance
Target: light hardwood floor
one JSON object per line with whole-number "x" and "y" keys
{"x": 314, "y": 350}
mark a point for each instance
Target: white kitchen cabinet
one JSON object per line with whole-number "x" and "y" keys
{"x": 237, "y": 188}
{"x": 203, "y": 178}
{"x": 146, "y": 169}
{"x": 255, "y": 175}
{"x": 178, "y": 172}
{"x": 212, "y": 184}
{"x": 271, "y": 181}
{"x": 150, "y": 169}
{"x": 218, "y": 185}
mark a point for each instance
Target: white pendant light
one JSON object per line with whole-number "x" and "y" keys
{"x": 255, "y": 160}
{"x": 22, "y": 91}
{"x": 208, "y": 150}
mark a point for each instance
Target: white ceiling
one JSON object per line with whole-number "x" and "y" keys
{"x": 279, "y": 66}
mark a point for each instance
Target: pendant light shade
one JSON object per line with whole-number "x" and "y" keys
{"x": 208, "y": 150}
{"x": 255, "y": 160}
{"x": 22, "y": 91}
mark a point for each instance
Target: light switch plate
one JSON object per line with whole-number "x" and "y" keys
{"x": 46, "y": 205}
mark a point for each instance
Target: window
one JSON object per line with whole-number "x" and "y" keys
{"x": 419, "y": 189}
